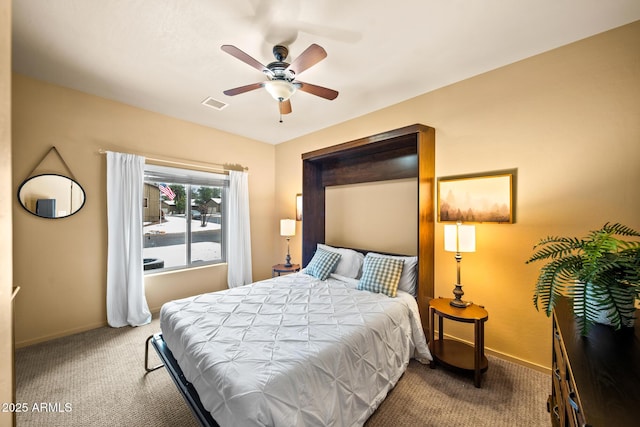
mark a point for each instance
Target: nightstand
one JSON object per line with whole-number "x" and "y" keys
{"x": 280, "y": 269}
{"x": 456, "y": 354}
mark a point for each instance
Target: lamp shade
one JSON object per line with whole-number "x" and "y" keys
{"x": 287, "y": 227}
{"x": 280, "y": 90}
{"x": 460, "y": 238}
{"x": 298, "y": 207}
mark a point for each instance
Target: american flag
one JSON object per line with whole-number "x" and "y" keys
{"x": 164, "y": 189}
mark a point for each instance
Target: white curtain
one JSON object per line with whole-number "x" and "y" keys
{"x": 239, "y": 235}
{"x": 126, "y": 303}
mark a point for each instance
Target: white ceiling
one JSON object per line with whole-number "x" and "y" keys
{"x": 165, "y": 56}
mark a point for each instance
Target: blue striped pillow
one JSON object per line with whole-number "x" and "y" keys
{"x": 322, "y": 264}
{"x": 381, "y": 275}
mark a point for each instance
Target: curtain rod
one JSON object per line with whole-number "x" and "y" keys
{"x": 218, "y": 168}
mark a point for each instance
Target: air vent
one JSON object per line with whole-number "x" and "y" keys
{"x": 214, "y": 103}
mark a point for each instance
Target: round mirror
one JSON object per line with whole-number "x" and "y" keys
{"x": 51, "y": 196}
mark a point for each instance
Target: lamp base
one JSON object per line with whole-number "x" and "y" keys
{"x": 288, "y": 258}
{"x": 457, "y": 301}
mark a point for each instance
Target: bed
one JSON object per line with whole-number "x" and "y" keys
{"x": 295, "y": 350}
{"x": 308, "y": 349}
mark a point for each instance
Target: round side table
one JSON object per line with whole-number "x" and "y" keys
{"x": 280, "y": 269}
{"x": 456, "y": 354}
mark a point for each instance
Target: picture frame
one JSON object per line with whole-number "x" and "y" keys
{"x": 480, "y": 198}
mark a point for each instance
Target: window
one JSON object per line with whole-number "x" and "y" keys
{"x": 183, "y": 218}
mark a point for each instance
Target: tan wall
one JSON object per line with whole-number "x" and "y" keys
{"x": 567, "y": 120}
{"x": 61, "y": 264}
{"x": 353, "y": 212}
{"x": 6, "y": 194}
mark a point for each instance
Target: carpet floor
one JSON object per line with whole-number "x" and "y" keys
{"x": 97, "y": 378}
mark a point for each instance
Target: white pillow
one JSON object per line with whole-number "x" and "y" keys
{"x": 350, "y": 264}
{"x": 409, "y": 277}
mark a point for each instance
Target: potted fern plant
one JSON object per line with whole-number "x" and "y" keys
{"x": 601, "y": 272}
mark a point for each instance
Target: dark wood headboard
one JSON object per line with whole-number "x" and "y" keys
{"x": 408, "y": 152}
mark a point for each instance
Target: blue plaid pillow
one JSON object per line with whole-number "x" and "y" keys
{"x": 322, "y": 263}
{"x": 381, "y": 275}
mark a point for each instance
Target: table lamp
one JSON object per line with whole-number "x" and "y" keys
{"x": 459, "y": 238}
{"x": 288, "y": 229}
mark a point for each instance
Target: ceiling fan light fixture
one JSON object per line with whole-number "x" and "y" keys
{"x": 280, "y": 90}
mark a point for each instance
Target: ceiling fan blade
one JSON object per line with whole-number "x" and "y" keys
{"x": 285, "y": 107}
{"x": 237, "y": 53}
{"x": 320, "y": 91}
{"x": 311, "y": 56}
{"x": 243, "y": 89}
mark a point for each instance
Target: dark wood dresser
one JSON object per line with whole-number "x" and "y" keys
{"x": 596, "y": 379}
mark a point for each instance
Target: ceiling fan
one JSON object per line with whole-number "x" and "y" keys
{"x": 282, "y": 83}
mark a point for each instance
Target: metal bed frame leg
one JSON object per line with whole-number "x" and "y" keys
{"x": 184, "y": 387}
{"x": 146, "y": 357}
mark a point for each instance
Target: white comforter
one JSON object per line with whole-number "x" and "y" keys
{"x": 293, "y": 351}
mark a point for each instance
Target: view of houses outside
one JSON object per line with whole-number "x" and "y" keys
{"x": 166, "y": 221}
{"x": 166, "y": 241}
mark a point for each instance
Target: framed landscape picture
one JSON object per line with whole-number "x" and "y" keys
{"x": 482, "y": 198}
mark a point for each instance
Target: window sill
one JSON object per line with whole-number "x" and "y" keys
{"x": 179, "y": 270}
